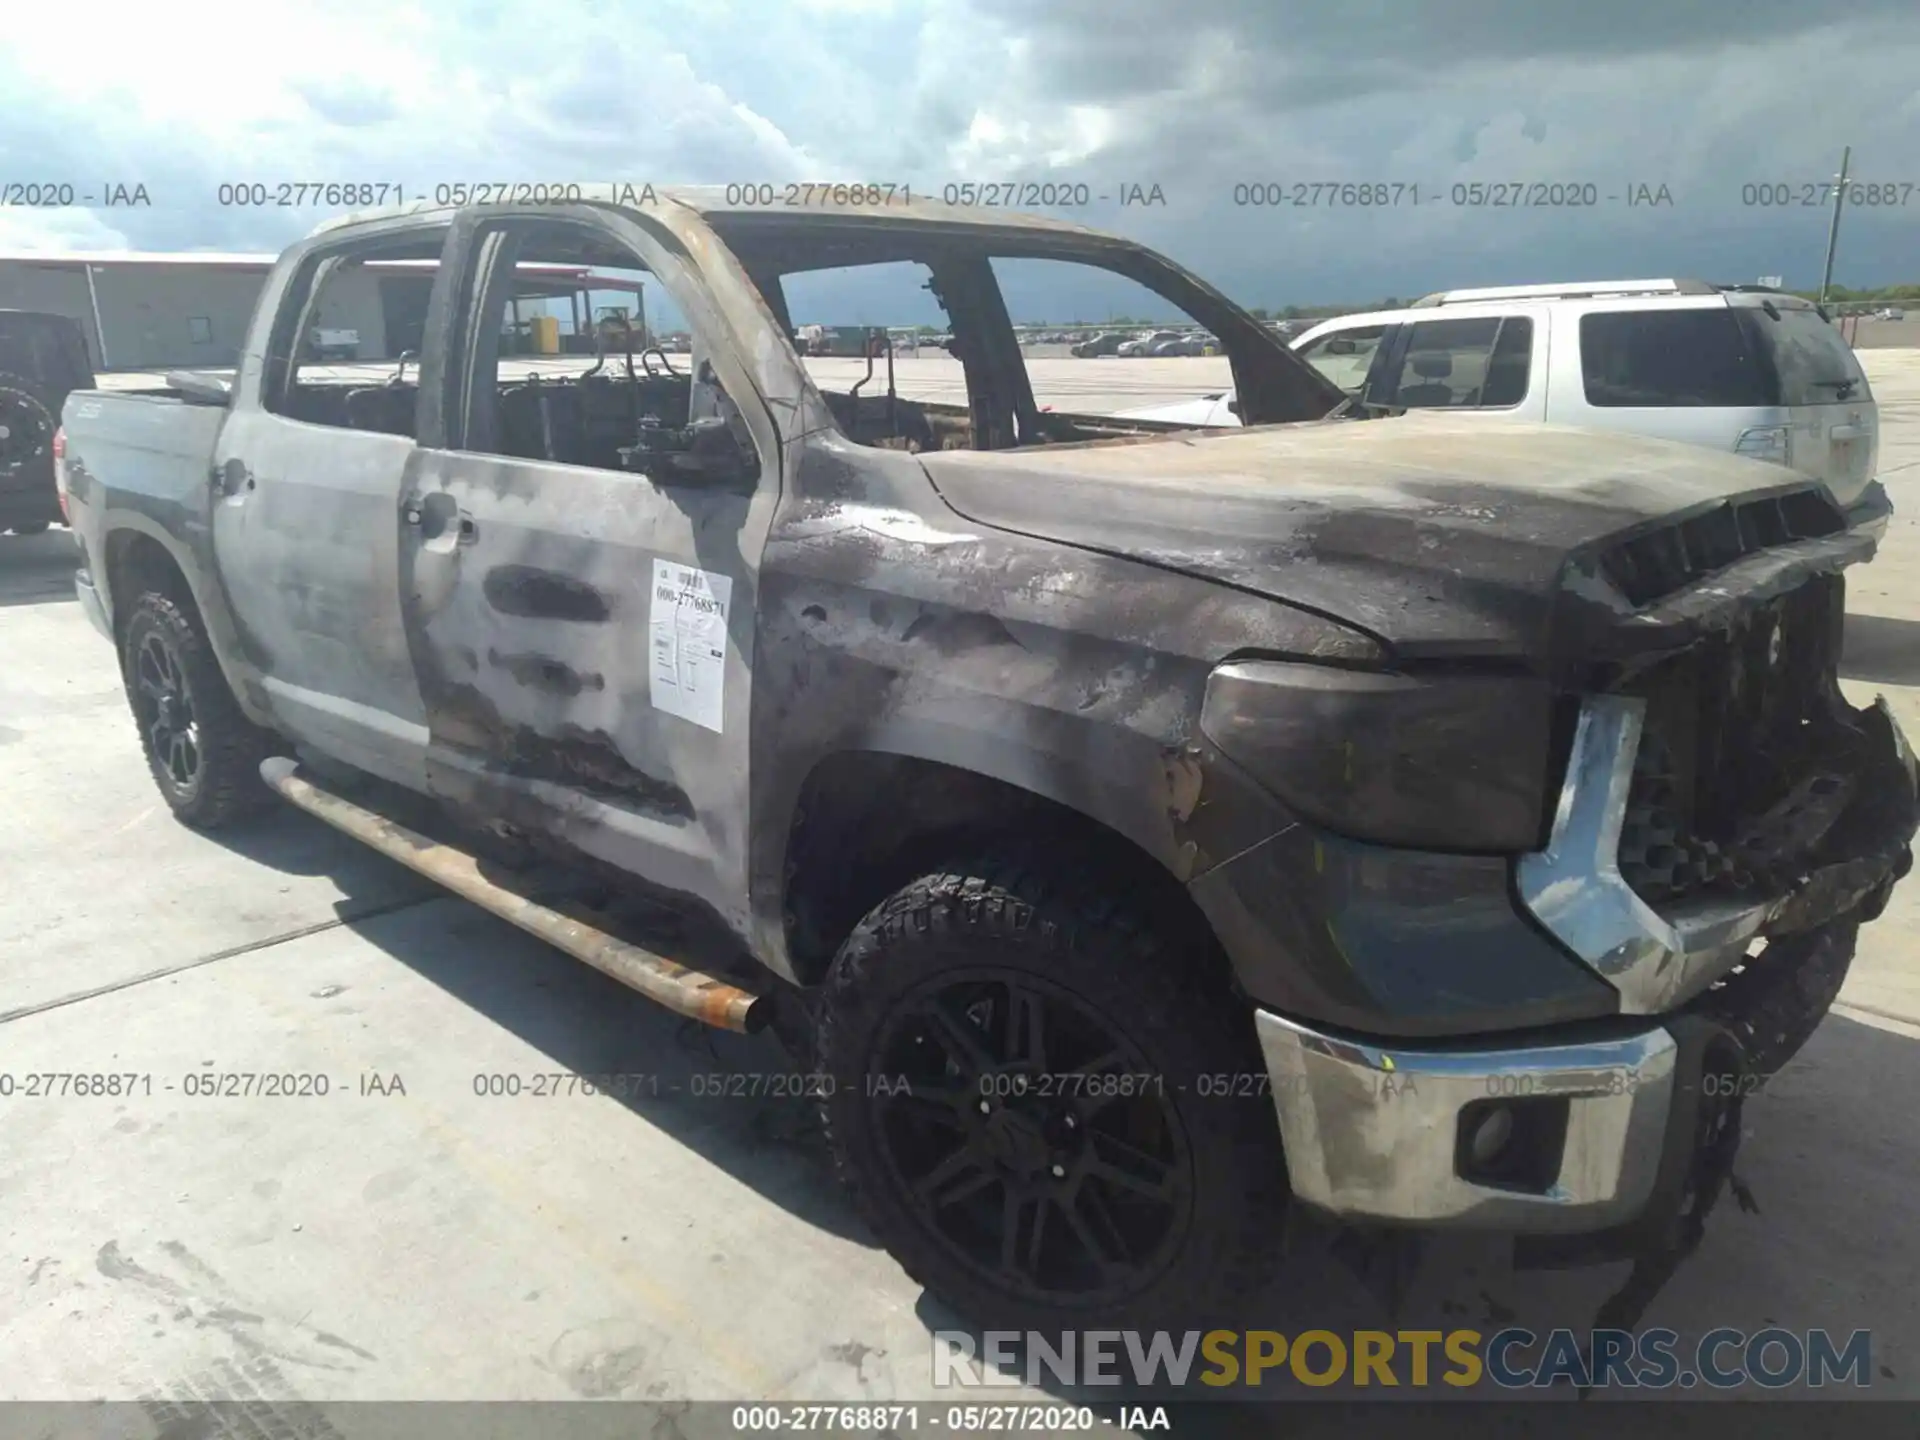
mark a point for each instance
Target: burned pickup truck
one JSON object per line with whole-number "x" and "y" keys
{"x": 1143, "y": 831}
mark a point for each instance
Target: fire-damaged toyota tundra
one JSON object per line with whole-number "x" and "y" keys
{"x": 1145, "y": 832}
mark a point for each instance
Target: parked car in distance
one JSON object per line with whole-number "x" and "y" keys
{"x": 1893, "y": 312}
{"x": 1752, "y": 372}
{"x": 1108, "y": 343}
{"x": 43, "y": 359}
{"x": 1143, "y": 345}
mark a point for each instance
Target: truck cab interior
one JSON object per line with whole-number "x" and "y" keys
{"x": 580, "y": 409}
{"x": 628, "y": 400}
{"x": 1000, "y": 412}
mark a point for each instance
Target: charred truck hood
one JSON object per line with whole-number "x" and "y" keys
{"x": 1543, "y": 547}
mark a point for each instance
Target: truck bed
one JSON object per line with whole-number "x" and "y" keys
{"x": 144, "y": 454}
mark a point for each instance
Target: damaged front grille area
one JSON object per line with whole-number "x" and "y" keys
{"x": 1656, "y": 563}
{"x": 1749, "y": 759}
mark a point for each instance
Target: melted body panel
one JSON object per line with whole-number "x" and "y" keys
{"x": 1438, "y": 536}
{"x": 1041, "y": 621}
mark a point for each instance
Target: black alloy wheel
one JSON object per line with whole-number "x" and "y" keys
{"x": 203, "y": 752}
{"x": 1024, "y": 1057}
{"x": 1031, "y": 1137}
{"x": 164, "y": 709}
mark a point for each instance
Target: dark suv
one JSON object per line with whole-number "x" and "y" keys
{"x": 43, "y": 359}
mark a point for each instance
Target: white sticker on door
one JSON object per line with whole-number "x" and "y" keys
{"x": 688, "y": 632}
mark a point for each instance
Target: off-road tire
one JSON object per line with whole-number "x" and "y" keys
{"x": 34, "y": 398}
{"x": 228, "y": 787}
{"x": 1027, "y": 913}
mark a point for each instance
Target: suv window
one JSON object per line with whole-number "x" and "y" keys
{"x": 1345, "y": 356}
{"x": 1671, "y": 358}
{"x": 40, "y": 349}
{"x": 1465, "y": 364}
{"x": 1809, "y": 356}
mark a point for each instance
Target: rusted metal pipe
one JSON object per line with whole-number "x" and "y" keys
{"x": 565, "y": 925}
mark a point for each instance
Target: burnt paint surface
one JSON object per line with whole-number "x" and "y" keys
{"x": 1439, "y": 536}
{"x": 1391, "y": 941}
{"x": 543, "y": 595}
{"x": 1047, "y": 618}
{"x": 888, "y": 625}
{"x": 137, "y": 470}
{"x": 532, "y": 644}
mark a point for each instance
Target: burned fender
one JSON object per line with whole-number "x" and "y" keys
{"x": 890, "y": 627}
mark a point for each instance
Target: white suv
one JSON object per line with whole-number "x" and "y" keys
{"x": 1750, "y": 370}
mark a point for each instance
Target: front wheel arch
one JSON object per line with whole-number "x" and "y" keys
{"x": 866, "y": 822}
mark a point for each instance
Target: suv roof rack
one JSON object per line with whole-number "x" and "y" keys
{"x": 1581, "y": 290}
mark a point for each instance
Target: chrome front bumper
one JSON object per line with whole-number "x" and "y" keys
{"x": 1373, "y": 1131}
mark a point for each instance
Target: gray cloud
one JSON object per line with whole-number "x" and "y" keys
{"x": 1197, "y": 96}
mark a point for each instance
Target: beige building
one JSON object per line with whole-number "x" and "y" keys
{"x": 190, "y": 310}
{"x": 142, "y": 311}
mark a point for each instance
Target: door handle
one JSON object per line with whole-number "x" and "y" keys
{"x": 1846, "y": 432}
{"x": 440, "y": 521}
{"x": 233, "y": 477}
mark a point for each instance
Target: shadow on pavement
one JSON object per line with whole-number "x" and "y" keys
{"x": 739, "y": 1101}
{"x": 1882, "y": 649}
{"x": 37, "y": 568}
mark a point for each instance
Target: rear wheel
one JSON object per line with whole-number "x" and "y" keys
{"x": 203, "y": 753}
{"x": 27, "y": 426}
{"x": 1026, "y": 1090}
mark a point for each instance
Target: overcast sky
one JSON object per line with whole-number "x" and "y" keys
{"x": 1195, "y": 96}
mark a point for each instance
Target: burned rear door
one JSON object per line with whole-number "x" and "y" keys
{"x": 308, "y": 472}
{"x": 583, "y": 631}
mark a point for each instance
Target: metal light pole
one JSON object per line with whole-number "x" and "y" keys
{"x": 1833, "y": 230}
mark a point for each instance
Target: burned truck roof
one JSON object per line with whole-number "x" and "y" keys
{"x": 830, "y": 203}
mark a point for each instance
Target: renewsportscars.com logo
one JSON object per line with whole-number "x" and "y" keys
{"x": 1513, "y": 1358}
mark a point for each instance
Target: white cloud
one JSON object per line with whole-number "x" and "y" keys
{"x": 1191, "y": 94}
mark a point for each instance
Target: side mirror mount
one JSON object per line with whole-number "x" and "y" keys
{"x": 703, "y": 452}
{"x": 198, "y": 389}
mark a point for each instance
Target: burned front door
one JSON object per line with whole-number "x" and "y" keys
{"x": 583, "y": 630}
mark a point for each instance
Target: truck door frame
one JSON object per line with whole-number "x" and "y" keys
{"x": 324, "y": 642}
{"x": 541, "y": 710}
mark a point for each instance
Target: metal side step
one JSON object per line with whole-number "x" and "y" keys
{"x": 565, "y": 925}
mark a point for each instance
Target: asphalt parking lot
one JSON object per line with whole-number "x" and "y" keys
{"x": 408, "y": 1236}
